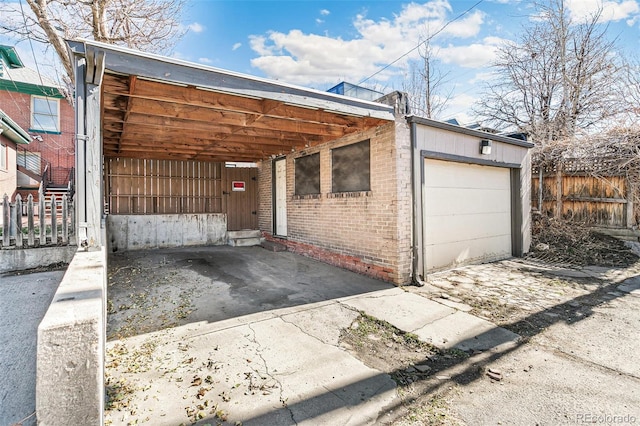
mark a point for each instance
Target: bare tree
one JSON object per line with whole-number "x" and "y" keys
{"x": 425, "y": 83}
{"x": 152, "y": 25}
{"x": 556, "y": 79}
{"x": 631, "y": 88}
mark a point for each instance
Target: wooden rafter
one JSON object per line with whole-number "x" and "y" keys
{"x": 132, "y": 87}
{"x": 151, "y": 119}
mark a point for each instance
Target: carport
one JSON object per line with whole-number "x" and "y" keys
{"x": 162, "y": 130}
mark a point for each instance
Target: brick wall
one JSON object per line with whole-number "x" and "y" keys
{"x": 370, "y": 232}
{"x": 56, "y": 149}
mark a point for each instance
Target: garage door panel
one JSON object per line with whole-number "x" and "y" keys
{"x": 468, "y": 227}
{"x": 447, "y": 201}
{"x": 461, "y": 252}
{"x": 465, "y": 176}
{"x": 467, "y": 213}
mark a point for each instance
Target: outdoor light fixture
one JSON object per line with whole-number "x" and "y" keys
{"x": 485, "y": 147}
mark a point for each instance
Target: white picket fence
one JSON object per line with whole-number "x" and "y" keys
{"x": 48, "y": 222}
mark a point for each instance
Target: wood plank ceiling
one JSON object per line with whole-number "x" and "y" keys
{"x": 155, "y": 120}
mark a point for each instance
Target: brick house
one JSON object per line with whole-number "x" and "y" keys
{"x": 39, "y": 106}
{"x": 363, "y": 185}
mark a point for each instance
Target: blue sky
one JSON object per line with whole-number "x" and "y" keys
{"x": 320, "y": 43}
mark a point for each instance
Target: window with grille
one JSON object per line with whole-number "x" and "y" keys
{"x": 350, "y": 168}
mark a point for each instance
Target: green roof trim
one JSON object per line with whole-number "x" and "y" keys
{"x": 10, "y": 56}
{"x": 12, "y": 131}
{"x": 31, "y": 89}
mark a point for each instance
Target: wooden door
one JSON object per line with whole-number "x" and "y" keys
{"x": 280, "y": 198}
{"x": 241, "y": 193}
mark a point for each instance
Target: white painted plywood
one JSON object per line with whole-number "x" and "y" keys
{"x": 467, "y": 213}
{"x": 281, "y": 198}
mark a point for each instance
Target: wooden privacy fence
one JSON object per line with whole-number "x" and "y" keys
{"x": 584, "y": 197}
{"x": 36, "y": 224}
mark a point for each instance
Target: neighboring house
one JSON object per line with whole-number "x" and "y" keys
{"x": 11, "y": 135}
{"x": 359, "y": 184}
{"x": 39, "y": 106}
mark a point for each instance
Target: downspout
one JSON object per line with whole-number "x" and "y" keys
{"x": 414, "y": 209}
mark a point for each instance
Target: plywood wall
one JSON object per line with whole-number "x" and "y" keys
{"x": 140, "y": 186}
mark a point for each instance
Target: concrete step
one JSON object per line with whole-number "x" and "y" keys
{"x": 246, "y": 233}
{"x": 273, "y": 246}
{"x": 245, "y": 242}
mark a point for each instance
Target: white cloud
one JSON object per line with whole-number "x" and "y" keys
{"x": 482, "y": 77}
{"x": 612, "y": 10}
{"x": 205, "y": 60}
{"x": 196, "y": 27}
{"x": 475, "y": 55}
{"x": 324, "y": 12}
{"x": 307, "y": 58}
{"x": 236, "y": 46}
{"x": 469, "y": 26}
{"x": 319, "y": 21}
{"x": 457, "y": 107}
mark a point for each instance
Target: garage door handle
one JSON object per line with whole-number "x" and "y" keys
{"x": 254, "y": 212}
{"x": 225, "y": 193}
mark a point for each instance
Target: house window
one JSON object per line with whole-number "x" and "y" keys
{"x": 350, "y": 168}
{"x": 307, "y": 177}
{"x": 3, "y": 156}
{"x": 45, "y": 114}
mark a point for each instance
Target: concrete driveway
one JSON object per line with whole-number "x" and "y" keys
{"x": 234, "y": 336}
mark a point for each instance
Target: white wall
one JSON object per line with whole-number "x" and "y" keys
{"x": 137, "y": 232}
{"x": 8, "y": 178}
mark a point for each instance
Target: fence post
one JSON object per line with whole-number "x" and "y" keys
{"x": 630, "y": 195}
{"x": 540, "y": 189}
{"x": 6, "y": 215}
{"x": 31, "y": 232}
{"x": 54, "y": 221}
{"x": 558, "y": 191}
{"x": 65, "y": 214}
{"x": 18, "y": 205}
{"x": 42, "y": 212}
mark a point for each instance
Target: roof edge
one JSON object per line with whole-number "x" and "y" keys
{"x": 471, "y": 132}
{"x": 12, "y": 131}
{"x": 304, "y": 95}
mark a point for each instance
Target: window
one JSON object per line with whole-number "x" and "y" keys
{"x": 45, "y": 114}
{"x": 3, "y": 156}
{"x": 307, "y": 177}
{"x": 350, "y": 168}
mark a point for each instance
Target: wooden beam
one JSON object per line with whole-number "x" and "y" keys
{"x": 132, "y": 86}
{"x": 190, "y": 113}
{"x": 157, "y": 91}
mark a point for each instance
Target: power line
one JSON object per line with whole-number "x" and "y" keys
{"x": 424, "y": 41}
{"x": 33, "y": 53}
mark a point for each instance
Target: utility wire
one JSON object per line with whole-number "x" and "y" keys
{"x": 33, "y": 53}
{"x": 423, "y": 42}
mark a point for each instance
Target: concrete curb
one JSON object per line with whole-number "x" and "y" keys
{"x": 71, "y": 346}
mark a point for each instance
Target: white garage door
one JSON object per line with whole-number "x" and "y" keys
{"x": 467, "y": 214}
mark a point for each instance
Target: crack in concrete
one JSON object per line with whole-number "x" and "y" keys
{"x": 581, "y": 360}
{"x": 283, "y": 401}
